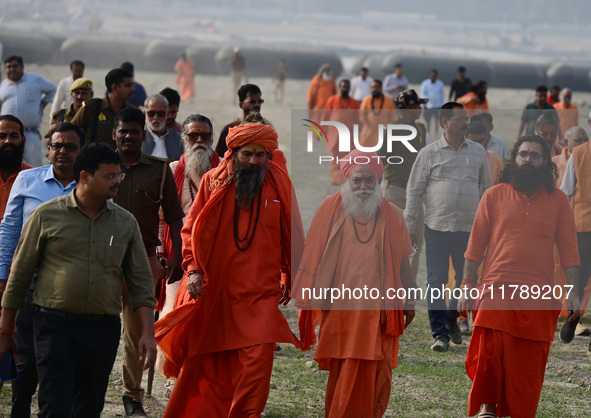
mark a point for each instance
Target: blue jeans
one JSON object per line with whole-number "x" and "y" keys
{"x": 439, "y": 247}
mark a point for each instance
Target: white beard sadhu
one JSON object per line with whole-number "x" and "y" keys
{"x": 357, "y": 240}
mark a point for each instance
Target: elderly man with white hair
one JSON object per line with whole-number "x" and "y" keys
{"x": 568, "y": 113}
{"x": 199, "y": 157}
{"x": 358, "y": 338}
{"x": 160, "y": 140}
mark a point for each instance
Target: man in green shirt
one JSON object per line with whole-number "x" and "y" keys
{"x": 80, "y": 244}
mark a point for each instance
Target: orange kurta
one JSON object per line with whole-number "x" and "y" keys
{"x": 320, "y": 91}
{"x": 495, "y": 166}
{"x": 185, "y": 78}
{"x": 339, "y": 110}
{"x": 373, "y": 113}
{"x": 518, "y": 235}
{"x": 6, "y": 186}
{"x": 358, "y": 340}
{"x": 241, "y": 292}
{"x": 568, "y": 116}
{"x": 469, "y": 100}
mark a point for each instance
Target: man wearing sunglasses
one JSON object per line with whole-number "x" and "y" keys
{"x": 30, "y": 189}
{"x": 249, "y": 100}
{"x": 160, "y": 140}
{"x": 517, "y": 225}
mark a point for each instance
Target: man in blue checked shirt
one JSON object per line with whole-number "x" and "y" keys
{"x": 25, "y": 95}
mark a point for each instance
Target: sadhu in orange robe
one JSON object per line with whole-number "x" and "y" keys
{"x": 358, "y": 339}
{"x": 221, "y": 345}
{"x": 185, "y": 78}
{"x": 320, "y": 91}
{"x": 509, "y": 348}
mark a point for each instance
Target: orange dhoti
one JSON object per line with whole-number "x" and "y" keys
{"x": 360, "y": 388}
{"x": 233, "y": 383}
{"x": 360, "y": 357}
{"x": 507, "y": 371}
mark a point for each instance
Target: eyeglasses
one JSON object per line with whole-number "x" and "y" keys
{"x": 152, "y": 113}
{"x": 194, "y": 136}
{"x": 461, "y": 119}
{"x": 534, "y": 156}
{"x": 254, "y": 101}
{"x": 57, "y": 146}
{"x": 112, "y": 177}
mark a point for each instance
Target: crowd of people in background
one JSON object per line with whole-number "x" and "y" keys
{"x": 137, "y": 212}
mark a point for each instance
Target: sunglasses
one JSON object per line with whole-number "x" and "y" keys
{"x": 57, "y": 146}
{"x": 193, "y": 136}
{"x": 152, "y": 113}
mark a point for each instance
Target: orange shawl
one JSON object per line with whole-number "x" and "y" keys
{"x": 200, "y": 229}
{"x": 327, "y": 221}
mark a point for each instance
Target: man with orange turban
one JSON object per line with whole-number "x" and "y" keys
{"x": 220, "y": 338}
{"x": 362, "y": 305}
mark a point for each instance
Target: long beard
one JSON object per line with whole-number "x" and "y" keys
{"x": 198, "y": 159}
{"x": 11, "y": 158}
{"x": 527, "y": 180}
{"x": 249, "y": 181}
{"x": 361, "y": 204}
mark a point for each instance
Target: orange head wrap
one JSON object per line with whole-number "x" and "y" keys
{"x": 252, "y": 133}
{"x": 356, "y": 159}
{"x": 238, "y": 136}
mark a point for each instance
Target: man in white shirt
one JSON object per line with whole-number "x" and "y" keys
{"x": 63, "y": 98}
{"x": 361, "y": 85}
{"x": 160, "y": 141}
{"x": 432, "y": 89}
{"x": 25, "y": 95}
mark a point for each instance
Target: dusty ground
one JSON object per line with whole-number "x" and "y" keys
{"x": 425, "y": 384}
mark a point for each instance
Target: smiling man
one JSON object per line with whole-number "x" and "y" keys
{"x": 148, "y": 186}
{"x": 77, "y": 293}
{"x": 161, "y": 141}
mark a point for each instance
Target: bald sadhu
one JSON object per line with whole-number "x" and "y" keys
{"x": 357, "y": 239}
{"x": 221, "y": 337}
